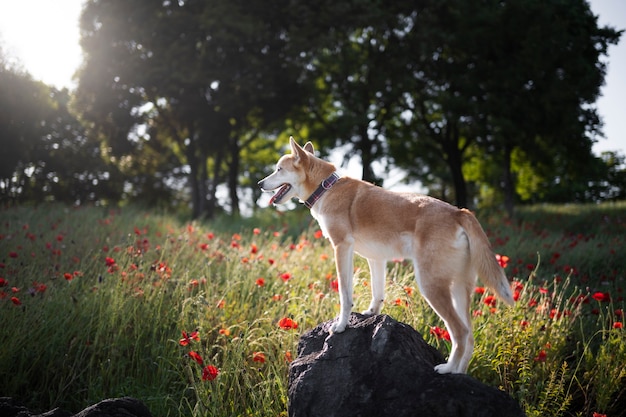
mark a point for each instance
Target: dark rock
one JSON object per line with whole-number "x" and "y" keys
{"x": 115, "y": 407}
{"x": 380, "y": 367}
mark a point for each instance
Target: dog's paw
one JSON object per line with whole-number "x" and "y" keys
{"x": 338, "y": 328}
{"x": 369, "y": 312}
{"x": 444, "y": 368}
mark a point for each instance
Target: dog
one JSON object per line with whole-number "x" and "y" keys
{"x": 447, "y": 245}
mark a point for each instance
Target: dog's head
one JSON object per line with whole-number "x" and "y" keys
{"x": 288, "y": 178}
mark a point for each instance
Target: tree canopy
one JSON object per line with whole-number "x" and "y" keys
{"x": 189, "y": 102}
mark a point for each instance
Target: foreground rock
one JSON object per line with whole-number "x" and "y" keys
{"x": 380, "y": 367}
{"x": 115, "y": 407}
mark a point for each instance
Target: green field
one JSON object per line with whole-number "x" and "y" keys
{"x": 94, "y": 303}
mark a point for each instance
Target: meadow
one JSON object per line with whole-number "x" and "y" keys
{"x": 203, "y": 318}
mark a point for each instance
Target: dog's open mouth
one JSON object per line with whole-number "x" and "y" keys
{"x": 280, "y": 193}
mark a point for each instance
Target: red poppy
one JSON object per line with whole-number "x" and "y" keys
{"x": 598, "y": 415}
{"x": 479, "y": 290}
{"x": 109, "y": 261}
{"x": 16, "y": 301}
{"x": 490, "y": 300}
{"x": 286, "y": 276}
{"x": 440, "y": 333}
{"x": 260, "y": 282}
{"x": 318, "y": 234}
{"x": 3, "y": 282}
{"x": 13, "y": 254}
{"x": 188, "y": 338}
{"x": 196, "y": 357}
{"x": 68, "y": 276}
{"x": 287, "y": 324}
{"x": 601, "y": 296}
{"x": 503, "y": 260}
{"x": 618, "y": 325}
{"x": 334, "y": 285}
{"x": 542, "y": 356}
{"x": 258, "y": 357}
{"x": 209, "y": 373}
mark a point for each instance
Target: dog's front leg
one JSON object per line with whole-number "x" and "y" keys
{"x": 344, "y": 254}
{"x": 377, "y": 271}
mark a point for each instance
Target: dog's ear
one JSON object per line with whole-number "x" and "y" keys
{"x": 309, "y": 148}
{"x": 297, "y": 151}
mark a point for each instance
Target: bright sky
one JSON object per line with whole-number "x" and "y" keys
{"x": 43, "y": 35}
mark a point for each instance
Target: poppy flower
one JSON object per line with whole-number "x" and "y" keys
{"x": 503, "y": 260}
{"x": 260, "y": 282}
{"x": 618, "y": 325}
{"x": 542, "y": 356}
{"x": 16, "y": 301}
{"x": 196, "y": 357}
{"x": 188, "y": 338}
{"x": 109, "y": 261}
{"x": 490, "y": 300}
{"x": 285, "y": 276}
{"x": 601, "y": 296}
{"x": 258, "y": 357}
{"x": 334, "y": 285}
{"x": 440, "y": 333}
{"x": 3, "y": 282}
{"x": 209, "y": 373}
{"x": 318, "y": 234}
{"x": 287, "y": 324}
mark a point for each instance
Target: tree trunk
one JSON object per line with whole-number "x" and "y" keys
{"x": 509, "y": 186}
{"x": 454, "y": 159}
{"x": 233, "y": 174}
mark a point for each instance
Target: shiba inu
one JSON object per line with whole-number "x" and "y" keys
{"x": 447, "y": 245}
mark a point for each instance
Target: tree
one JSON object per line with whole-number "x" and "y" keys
{"x": 198, "y": 75}
{"x": 504, "y": 76}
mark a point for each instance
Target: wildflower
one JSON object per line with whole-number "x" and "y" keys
{"x": 479, "y": 290}
{"x": 288, "y": 356}
{"x": 196, "y": 357}
{"x": 16, "y": 301}
{"x": 286, "y": 276}
{"x": 68, "y": 276}
{"x": 13, "y": 254}
{"x": 258, "y": 357}
{"x": 503, "y": 260}
{"x": 188, "y": 338}
{"x": 287, "y": 324}
{"x": 318, "y": 234}
{"x": 260, "y": 282}
{"x": 542, "y": 356}
{"x": 3, "y": 282}
{"x": 254, "y": 249}
{"x": 109, "y": 261}
{"x": 440, "y": 333}
{"x": 334, "y": 285}
{"x": 224, "y": 332}
{"x": 209, "y": 373}
{"x": 601, "y": 296}
{"x": 618, "y": 325}
{"x": 256, "y": 231}
{"x": 598, "y": 414}
{"x": 490, "y": 300}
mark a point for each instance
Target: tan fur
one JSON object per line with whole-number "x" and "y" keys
{"x": 448, "y": 247}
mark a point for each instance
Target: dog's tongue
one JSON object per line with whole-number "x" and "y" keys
{"x": 278, "y": 195}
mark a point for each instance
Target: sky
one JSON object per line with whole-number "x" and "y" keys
{"x": 43, "y": 35}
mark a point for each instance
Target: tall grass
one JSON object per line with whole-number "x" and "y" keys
{"x": 94, "y": 304}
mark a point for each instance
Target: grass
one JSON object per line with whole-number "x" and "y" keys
{"x": 94, "y": 303}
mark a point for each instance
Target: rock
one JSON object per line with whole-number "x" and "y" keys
{"x": 115, "y": 407}
{"x": 380, "y": 367}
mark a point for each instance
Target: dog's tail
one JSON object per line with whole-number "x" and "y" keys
{"x": 484, "y": 260}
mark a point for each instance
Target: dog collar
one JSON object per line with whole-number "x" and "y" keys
{"x": 324, "y": 186}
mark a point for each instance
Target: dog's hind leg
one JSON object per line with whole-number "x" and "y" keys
{"x": 344, "y": 255}
{"x": 451, "y": 302}
{"x": 377, "y": 271}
